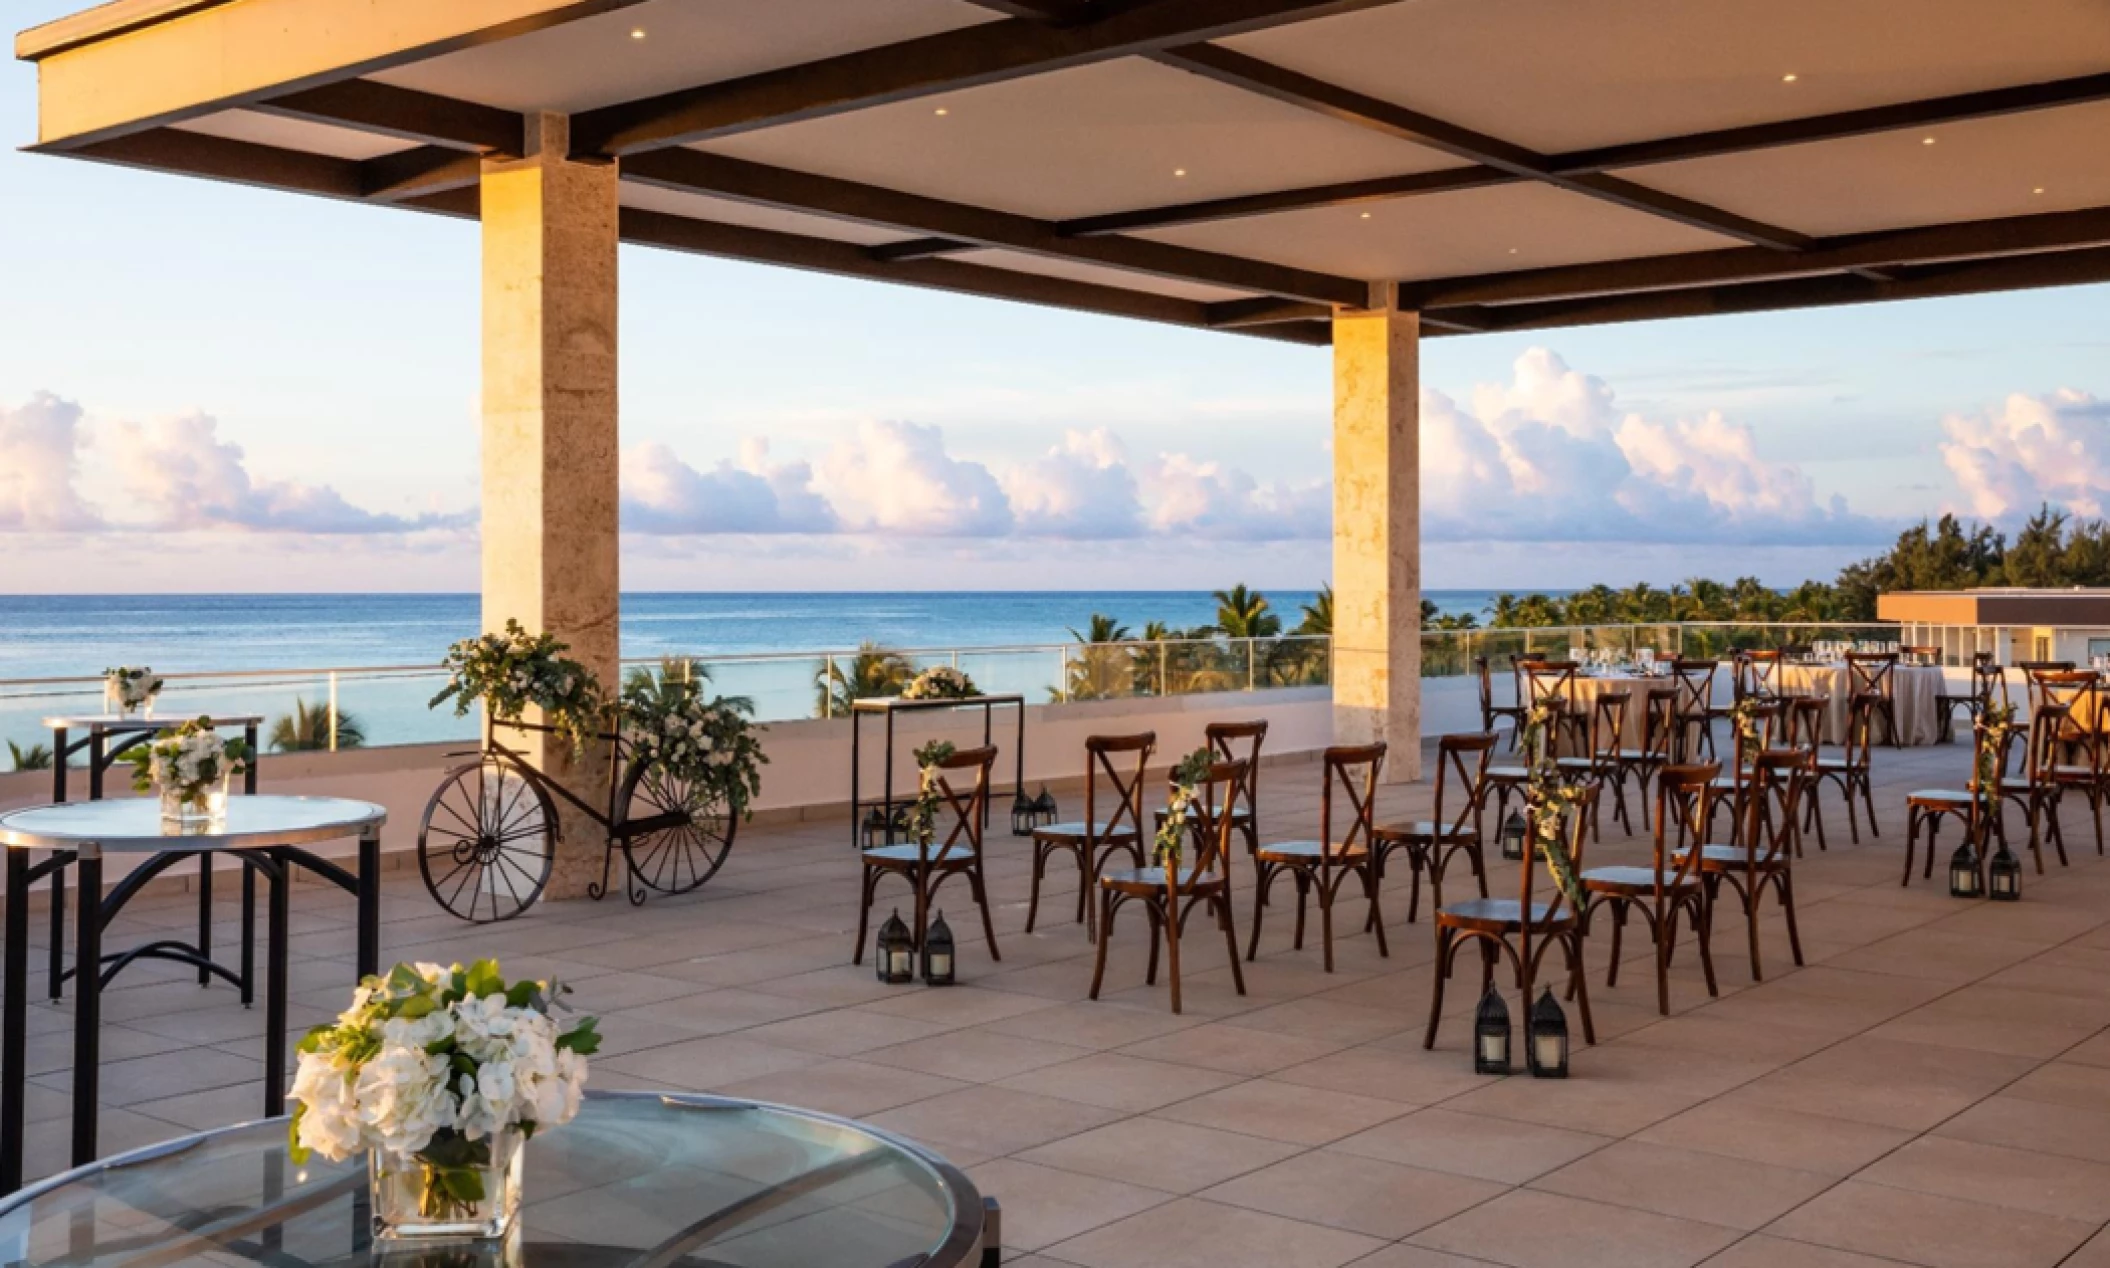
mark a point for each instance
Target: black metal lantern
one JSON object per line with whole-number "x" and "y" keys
{"x": 937, "y": 953}
{"x": 1491, "y": 1034}
{"x": 1022, "y": 820}
{"x": 1044, "y": 811}
{"x": 1513, "y": 833}
{"x": 1965, "y": 881}
{"x": 2006, "y": 879}
{"x": 1548, "y": 1048}
{"x": 875, "y": 828}
{"x": 895, "y": 957}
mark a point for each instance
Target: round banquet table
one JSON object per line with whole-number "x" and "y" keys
{"x": 1912, "y": 686}
{"x": 636, "y": 1178}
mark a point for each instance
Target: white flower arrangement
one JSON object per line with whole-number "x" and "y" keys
{"x": 187, "y": 763}
{"x": 131, "y": 687}
{"x": 941, "y": 682}
{"x": 513, "y": 671}
{"x": 930, "y": 793}
{"x": 430, "y": 1067}
{"x": 706, "y": 744}
{"x": 1187, "y": 779}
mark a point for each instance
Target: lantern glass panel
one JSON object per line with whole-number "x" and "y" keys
{"x": 1964, "y": 881}
{"x": 1549, "y": 1038}
{"x": 1491, "y": 1035}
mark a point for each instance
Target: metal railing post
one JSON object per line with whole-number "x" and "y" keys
{"x": 1163, "y": 680}
{"x": 1252, "y": 666}
{"x": 1062, "y": 679}
{"x": 827, "y": 687}
{"x": 333, "y": 711}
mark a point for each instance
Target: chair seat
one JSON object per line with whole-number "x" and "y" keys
{"x": 1632, "y": 879}
{"x": 1939, "y": 797}
{"x": 1576, "y": 763}
{"x": 1151, "y": 880}
{"x": 1309, "y": 851}
{"x": 1080, "y": 831}
{"x": 1730, "y": 856}
{"x": 906, "y": 855}
{"x": 2079, "y": 774}
{"x": 1240, "y": 815}
{"x": 1504, "y": 912}
{"x": 1841, "y": 764}
{"x": 1642, "y": 755}
{"x": 1425, "y": 830}
{"x": 1508, "y": 775}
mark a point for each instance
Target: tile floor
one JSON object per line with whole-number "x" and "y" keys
{"x": 1932, "y": 1088}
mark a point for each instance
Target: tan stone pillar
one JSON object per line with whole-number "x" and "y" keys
{"x": 549, "y": 433}
{"x": 1377, "y": 534}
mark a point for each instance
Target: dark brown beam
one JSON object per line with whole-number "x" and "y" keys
{"x": 768, "y": 246}
{"x": 992, "y": 52}
{"x": 244, "y": 162}
{"x": 1237, "y": 314}
{"x": 2022, "y": 272}
{"x": 697, "y": 172}
{"x": 1850, "y": 123}
{"x": 1250, "y": 73}
{"x": 918, "y": 248}
{"x": 422, "y": 117}
{"x": 2014, "y": 235}
{"x": 1344, "y": 193}
{"x": 414, "y": 173}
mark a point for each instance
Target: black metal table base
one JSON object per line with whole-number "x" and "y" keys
{"x": 885, "y": 802}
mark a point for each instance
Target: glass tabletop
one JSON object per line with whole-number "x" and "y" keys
{"x": 636, "y": 1178}
{"x": 128, "y": 824}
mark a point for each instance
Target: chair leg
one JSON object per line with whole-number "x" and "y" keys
{"x": 1106, "y": 929}
{"x": 1662, "y": 940}
{"x": 1303, "y": 892}
{"x": 1150, "y": 914}
{"x": 864, "y": 914}
{"x": 1326, "y": 893}
{"x": 1750, "y": 897}
{"x": 1611, "y": 973}
{"x": 1912, "y": 840}
{"x": 1172, "y": 924}
{"x": 1444, "y": 938}
{"x": 1784, "y": 886}
{"x": 981, "y": 899}
{"x": 1703, "y": 931}
{"x": 1933, "y": 822}
{"x": 1868, "y": 798}
{"x": 1572, "y": 944}
{"x": 1222, "y": 906}
{"x": 1260, "y": 888}
{"x": 1377, "y": 916}
{"x": 1040, "y": 864}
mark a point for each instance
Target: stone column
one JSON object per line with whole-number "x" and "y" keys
{"x": 549, "y": 434}
{"x": 1377, "y": 534}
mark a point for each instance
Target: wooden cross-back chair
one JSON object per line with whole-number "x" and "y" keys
{"x": 1112, "y": 820}
{"x": 1757, "y": 674}
{"x": 1168, "y": 894}
{"x": 1873, "y": 675}
{"x": 1600, "y": 765}
{"x": 1988, "y": 689}
{"x": 2033, "y": 791}
{"x": 1326, "y": 864}
{"x": 1697, "y": 710}
{"x": 1554, "y": 684}
{"x": 1659, "y": 734}
{"x": 2033, "y": 670}
{"x": 1490, "y": 712}
{"x": 1520, "y": 930}
{"x": 955, "y": 849}
{"x": 1454, "y": 825}
{"x": 1769, "y": 719}
{"x": 2079, "y": 746}
{"x": 1763, "y": 853}
{"x": 1670, "y": 887}
{"x": 1241, "y": 742}
{"x": 1852, "y": 769}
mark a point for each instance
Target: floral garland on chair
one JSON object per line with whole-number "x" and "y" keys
{"x": 940, "y": 682}
{"x": 1995, "y": 726}
{"x": 513, "y": 671}
{"x": 923, "y": 812}
{"x": 1546, "y": 800}
{"x": 1187, "y": 779}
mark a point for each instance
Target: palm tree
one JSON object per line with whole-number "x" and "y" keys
{"x": 873, "y": 671}
{"x": 684, "y": 671}
{"x": 35, "y": 757}
{"x": 307, "y": 729}
{"x": 1243, "y": 613}
{"x": 1318, "y": 614}
{"x": 1098, "y": 672}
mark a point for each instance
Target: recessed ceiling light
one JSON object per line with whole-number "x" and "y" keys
{"x": 1366, "y": 215}
{"x": 1789, "y": 78}
{"x": 2038, "y": 190}
{"x": 1512, "y": 250}
{"x": 1926, "y": 140}
{"x": 941, "y": 111}
{"x": 637, "y": 33}
{"x": 1179, "y": 171}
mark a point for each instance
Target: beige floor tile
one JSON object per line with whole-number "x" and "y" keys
{"x": 2048, "y": 1184}
{"x": 1117, "y": 1082}
{"x": 1687, "y": 1184}
{"x": 847, "y": 1087}
{"x": 1472, "y": 1145}
{"x": 1408, "y": 1075}
{"x": 1362, "y": 1195}
{"x": 1190, "y": 1233}
{"x": 955, "y": 1006}
{"x": 1284, "y": 1111}
{"x": 2062, "y": 1083}
{"x": 1993, "y": 1019}
{"x": 1527, "y": 1229}
{"x": 713, "y": 1061}
{"x": 1402, "y": 1255}
{"x": 1234, "y": 1049}
{"x": 1095, "y": 1024}
{"x": 2018, "y": 1123}
{"x": 844, "y": 1032}
{"x": 2096, "y": 1254}
{"x": 1161, "y": 1155}
{"x": 1043, "y": 1206}
{"x": 977, "y": 1056}
{"x": 1882, "y": 1081}
{"x": 1762, "y": 1251}
{"x": 1605, "y": 1107}
{"x": 1941, "y": 1232}
{"x": 992, "y": 1121}
{"x": 1829, "y": 1146}
{"x": 717, "y": 1012}
{"x": 1349, "y": 1023}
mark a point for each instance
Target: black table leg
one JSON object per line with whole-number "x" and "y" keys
{"x": 856, "y": 781}
{"x": 369, "y": 904}
{"x": 56, "y": 969}
{"x": 58, "y": 763}
{"x": 889, "y": 773}
{"x": 248, "y": 935}
{"x": 87, "y": 1002}
{"x": 988, "y": 714}
{"x": 97, "y": 742}
{"x": 14, "y": 1027}
{"x": 249, "y": 776}
{"x": 204, "y": 916}
{"x": 275, "y": 997}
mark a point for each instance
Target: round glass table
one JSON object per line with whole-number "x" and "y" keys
{"x": 637, "y": 1178}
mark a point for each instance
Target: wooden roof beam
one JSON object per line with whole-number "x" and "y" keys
{"x": 408, "y": 115}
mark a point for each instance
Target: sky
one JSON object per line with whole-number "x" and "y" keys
{"x": 207, "y": 387}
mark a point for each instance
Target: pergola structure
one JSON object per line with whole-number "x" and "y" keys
{"x": 1360, "y": 173}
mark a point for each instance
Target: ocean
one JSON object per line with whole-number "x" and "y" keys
{"x": 73, "y": 636}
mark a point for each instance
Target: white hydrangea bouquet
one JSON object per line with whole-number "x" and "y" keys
{"x": 941, "y": 682}
{"x": 130, "y": 688}
{"x": 511, "y": 672}
{"x": 190, "y": 766}
{"x": 440, "y": 1074}
{"x": 707, "y": 745}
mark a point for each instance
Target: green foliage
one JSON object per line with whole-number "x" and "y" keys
{"x": 873, "y": 671}
{"x": 1243, "y": 613}
{"x": 514, "y": 671}
{"x": 35, "y": 757}
{"x": 307, "y": 729}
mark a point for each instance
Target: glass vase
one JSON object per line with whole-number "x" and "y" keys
{"x": 456, "y": 1189}
{"x": 196, "y": 806}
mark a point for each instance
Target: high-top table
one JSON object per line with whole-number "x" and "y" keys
{"x": 636, "y": 1179}
{"x": 265, "y": 832}
{"x": 889, "y": 707}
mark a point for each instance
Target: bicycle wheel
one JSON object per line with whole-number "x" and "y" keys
{"x": 680, "y": 856}
{"x": 488, "y": 841}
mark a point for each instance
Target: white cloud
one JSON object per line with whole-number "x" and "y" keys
{"x": 181, "y": 475}
{"x": 1082, "y": 488}
{"x": 2032, "y": 450}
{"x": 896, "y": 477}
{"x": 1550, "y": 456}
{"x": 664, "y": 495}
{"x": 1208, "y": 499}
{"x": 40, "y": 446}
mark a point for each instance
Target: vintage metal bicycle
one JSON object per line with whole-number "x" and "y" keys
{"x": 488, "y": 841}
